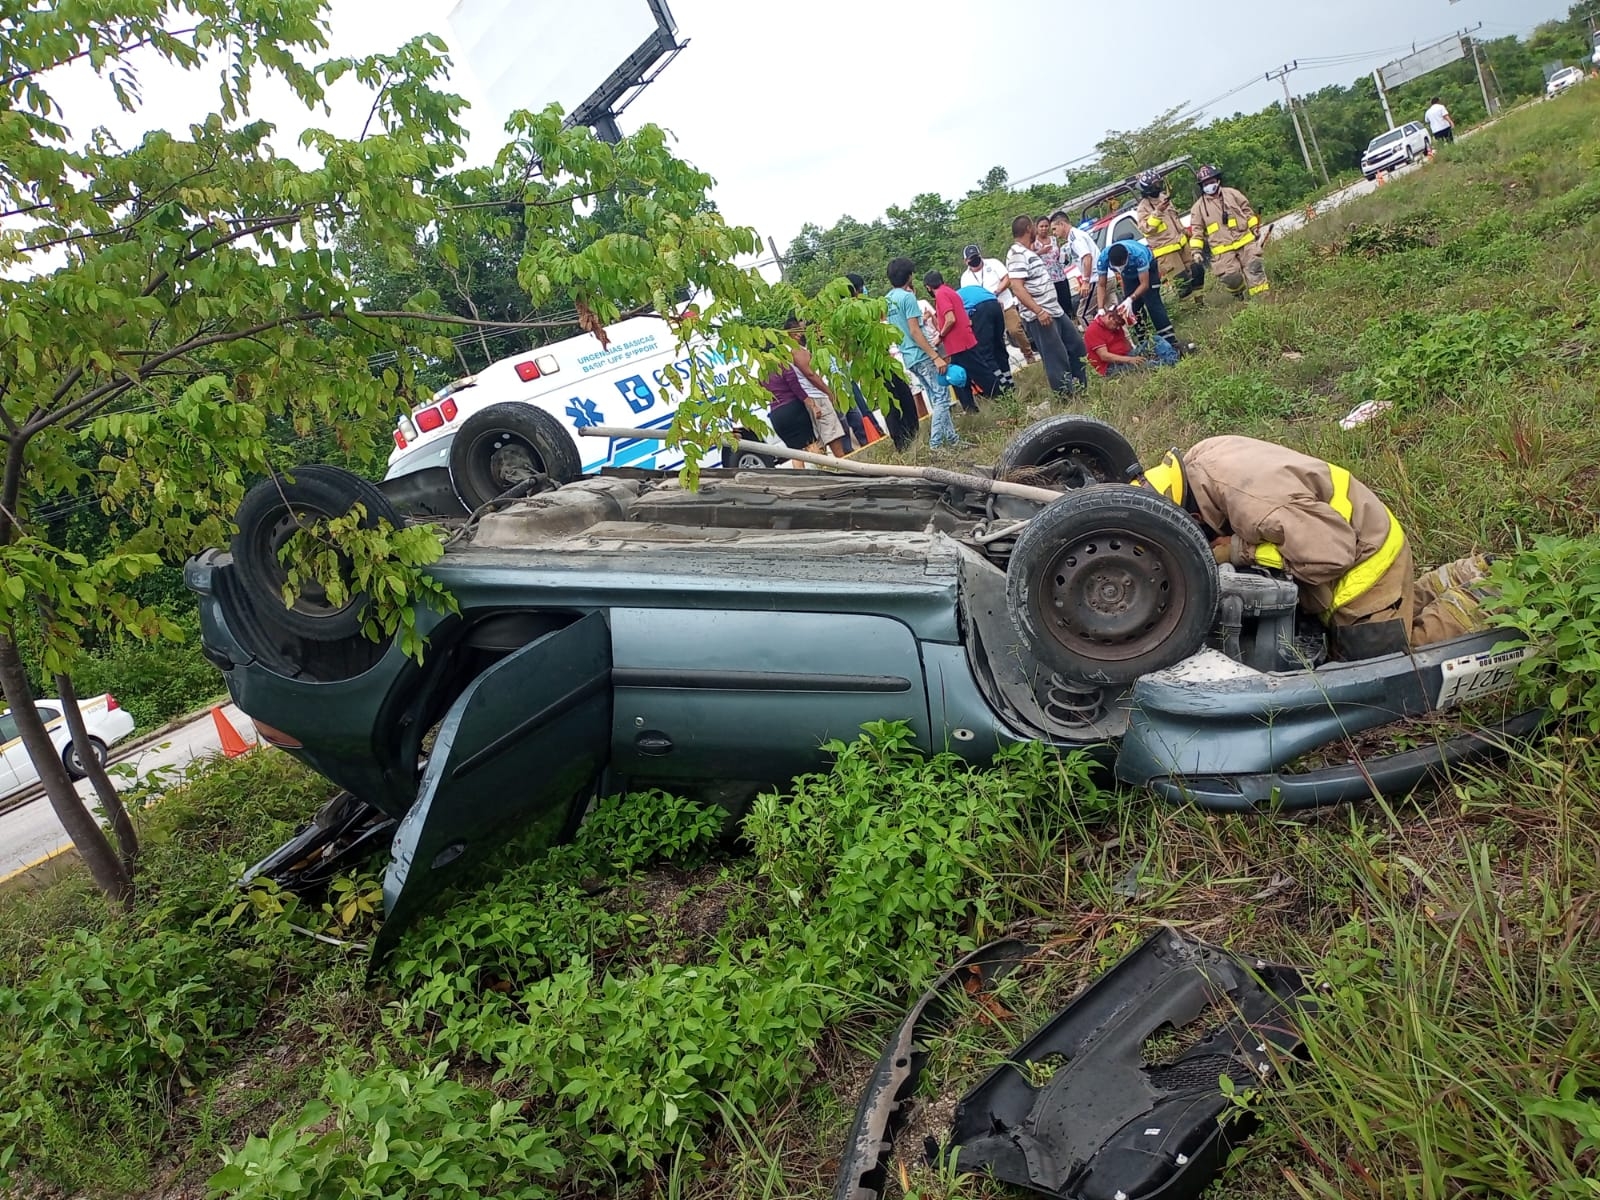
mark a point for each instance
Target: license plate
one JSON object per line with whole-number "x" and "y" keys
{"x": 1473, "y": 675}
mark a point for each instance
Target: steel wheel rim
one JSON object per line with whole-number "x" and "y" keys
{"x": 1110, "y": 595}
{"x": 312, "y": 598}
{"x": 1074, "y": 465}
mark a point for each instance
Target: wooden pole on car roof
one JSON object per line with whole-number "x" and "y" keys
{"x": 976, "y": 483}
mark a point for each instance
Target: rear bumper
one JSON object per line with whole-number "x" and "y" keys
{"x": 1223, "y": 742}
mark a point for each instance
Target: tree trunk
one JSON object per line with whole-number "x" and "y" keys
{"x": 110, "y": 798}
{"x": 93, "y": 845}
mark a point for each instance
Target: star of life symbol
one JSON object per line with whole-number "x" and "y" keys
{"x": 584, "y": 413}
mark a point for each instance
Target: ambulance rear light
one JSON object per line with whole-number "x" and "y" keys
{"x": 111, "y": 703}
{"x": 528, "y": 370}
{"x": 449, "y": 409}
{"x": 429, "y": 419}
{"x": 399, "y": 440}
{"x": 547, "y": 364}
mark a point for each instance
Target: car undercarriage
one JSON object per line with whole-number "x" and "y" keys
{"x": 623, "y": 631}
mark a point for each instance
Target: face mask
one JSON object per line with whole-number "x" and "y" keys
{"x": 1210, "y": 189}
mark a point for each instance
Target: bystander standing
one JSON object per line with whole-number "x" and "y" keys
{"x": 991, "y": 273}
{"x": 1054, "y": 336}
{"x": 918, "y": 354}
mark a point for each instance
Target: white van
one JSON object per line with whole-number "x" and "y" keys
{"x": 455, "y": 448}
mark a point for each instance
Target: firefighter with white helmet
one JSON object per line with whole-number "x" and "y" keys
{"x": 1224, "y": 219}
{"x": 1163, "y": 231}
{"x": 1265, "y": 505}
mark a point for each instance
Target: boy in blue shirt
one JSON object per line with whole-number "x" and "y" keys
{"x": 918, "y": 354}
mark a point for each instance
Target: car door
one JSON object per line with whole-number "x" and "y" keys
{"x": 16, "y": 768}
{"x": 514, "y": 760}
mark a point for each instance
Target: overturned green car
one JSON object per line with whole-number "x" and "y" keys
{"x": 622, "y": 632}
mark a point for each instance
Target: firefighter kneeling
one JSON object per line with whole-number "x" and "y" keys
{"x": 1264, "y": 505}
{"x": 1224, "y": 218}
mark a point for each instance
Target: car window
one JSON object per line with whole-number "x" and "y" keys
{"x": 47, "y": 714}
{"x": 1126, "y": 228}
{"x": 1385, "y": 139}
{"x": 8, "y": 727}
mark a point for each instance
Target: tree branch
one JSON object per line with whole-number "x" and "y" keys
{"x": 8, "y": 80}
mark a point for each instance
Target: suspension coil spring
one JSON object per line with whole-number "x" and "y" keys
{"x": 1070, "y": 703}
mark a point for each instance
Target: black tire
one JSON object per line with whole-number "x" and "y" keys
{"x": 734, "y": 459}
{"x": 1111, "y": 583}
{"x": 1068, "y": 451}
{"x": 498, "y": 448}
{"x": 269, "y": 514}
{"x": 75, "y": 767}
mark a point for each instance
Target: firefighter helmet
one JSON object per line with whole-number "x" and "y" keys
{"x": 1209, "y": 173}
{"x": 1150, "y": 183}
{"x": 1166, "y": 477}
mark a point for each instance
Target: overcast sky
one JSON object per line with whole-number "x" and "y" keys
{"x": 805, "y": 112}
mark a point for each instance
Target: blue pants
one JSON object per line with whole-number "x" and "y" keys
{"x": 1162, "y": 352}
{"x": 1149, "y": 306}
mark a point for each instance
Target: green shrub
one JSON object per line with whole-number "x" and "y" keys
{"x": 1550, "y": 593}
{"x": 396, "y": 1132}
{"x": 155, "y": 681}
{"x": 1410, "y": 358}
{"x": 634, "y": 1048}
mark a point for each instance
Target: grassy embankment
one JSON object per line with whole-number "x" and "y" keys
{"x": 649, "y": 1014}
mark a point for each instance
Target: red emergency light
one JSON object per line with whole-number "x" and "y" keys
{"x": 448, "y": 408}
{"x": 528, "y": 371}
{"x": 428, "y": 420}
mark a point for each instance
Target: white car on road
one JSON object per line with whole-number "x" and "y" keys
{"x": 107, "y": 724}
{"x": 1399, "y": 146}
{"x": 1562, "y": 80}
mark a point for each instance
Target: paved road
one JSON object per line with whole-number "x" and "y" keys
{"x": 1290, "y": 222}
{"x": 31, "y": 834}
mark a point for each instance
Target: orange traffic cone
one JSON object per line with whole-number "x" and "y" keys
{"x": 870, "y": 428}
{"x": 232, "y": 744}
{"x": 1383, "y": 178}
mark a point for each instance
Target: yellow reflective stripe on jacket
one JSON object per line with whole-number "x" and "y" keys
{"x": 1167, "y": 249}
{"x": 1360, "y": 579}
{"x": 1242, "y": 242}
{"x": 1154, "y": 222}
{"x": 1212, "y": 228}
{"x": 1253, "y": 221}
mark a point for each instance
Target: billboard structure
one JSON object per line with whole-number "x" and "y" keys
{"x": 593, "y": 63}
{"x": 1419, "y": 62}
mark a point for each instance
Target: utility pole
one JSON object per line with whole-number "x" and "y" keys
{"x": 783, "y": 272}
{"x": 1312, "y": 134}
{"x": 1488, "y": 107}
{"x": 1282, "y": 75}
{"x": 1383, "y": 96}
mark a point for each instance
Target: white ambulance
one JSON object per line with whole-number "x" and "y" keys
{"x": 484, "y": 434}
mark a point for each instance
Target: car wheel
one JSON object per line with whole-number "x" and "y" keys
{"x": 1067, "y": 451}
{"x": 270, "y": 514}
{"x": 1111, "y": 583}
{"x": 508, "y": 444}
{"x": 75, "y": 765}
{"x": 737, "y": 459}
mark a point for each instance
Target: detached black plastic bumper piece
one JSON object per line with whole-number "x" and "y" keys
{"x": 1092, "y": 1107}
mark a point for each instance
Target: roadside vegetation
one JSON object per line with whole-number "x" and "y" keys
{"x": 664, "y": 1009}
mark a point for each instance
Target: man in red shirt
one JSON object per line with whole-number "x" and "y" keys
{"x": 954, "y": 332}
{"x": 1112, "y": 352}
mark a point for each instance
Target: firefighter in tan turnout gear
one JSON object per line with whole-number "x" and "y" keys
{"x": 1224, "y": 219}
{"x": 1163, "y": 232}
{"x": 1264, "y": 505}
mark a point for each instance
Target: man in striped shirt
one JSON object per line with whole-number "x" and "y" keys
{"x": 1049, "y": 328}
